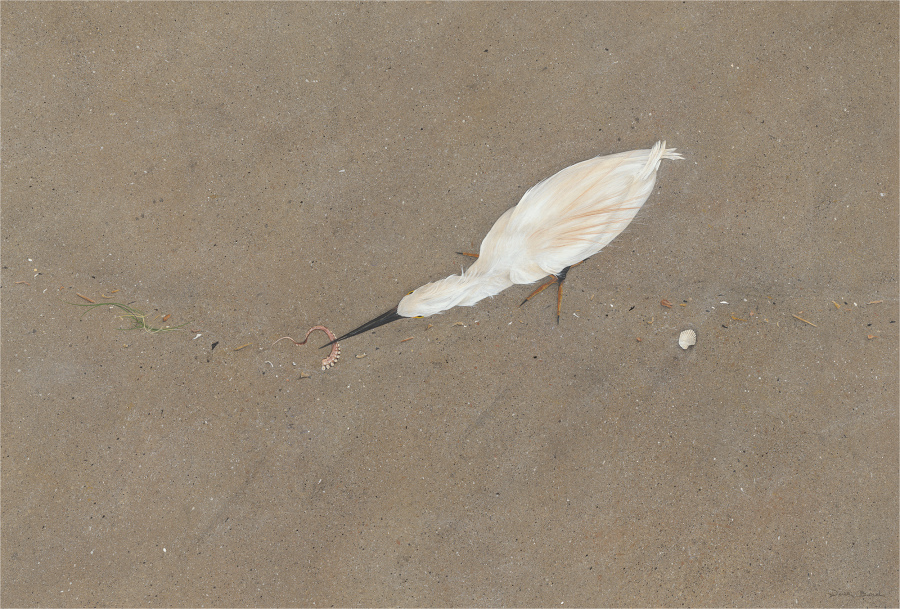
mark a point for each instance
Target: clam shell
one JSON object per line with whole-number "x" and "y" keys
{"x": 686, "y": 339}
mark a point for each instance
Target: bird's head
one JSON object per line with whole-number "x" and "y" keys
{"x": 435, "y": 297}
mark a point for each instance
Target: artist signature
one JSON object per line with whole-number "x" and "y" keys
{"x": 858, "y": 594}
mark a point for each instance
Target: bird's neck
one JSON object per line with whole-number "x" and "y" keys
{"x": 480, "y": 281}
{"x": 476, "y": 283}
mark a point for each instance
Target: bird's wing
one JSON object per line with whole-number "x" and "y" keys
{"x": 575, "y": 213}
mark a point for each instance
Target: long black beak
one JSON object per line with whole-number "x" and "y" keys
{"x": 384, "y": 318}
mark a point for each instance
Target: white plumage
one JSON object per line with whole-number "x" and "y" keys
{"x": 558, "y": 223}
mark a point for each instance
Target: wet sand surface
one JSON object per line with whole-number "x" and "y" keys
{"x": 252, "y": 170}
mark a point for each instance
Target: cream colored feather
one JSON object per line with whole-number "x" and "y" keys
{"x": 559, "y": 222}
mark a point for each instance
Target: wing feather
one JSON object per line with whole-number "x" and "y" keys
{"x": 575, "y": 213}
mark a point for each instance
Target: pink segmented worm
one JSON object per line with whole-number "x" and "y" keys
{"x": 335, "y": 355}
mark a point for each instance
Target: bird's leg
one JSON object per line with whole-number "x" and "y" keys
{"x": 555, "y": 279}
{"x": 467, "y": 254}
{"x": 560, "y": 278}
{"x": 540, "y": 289}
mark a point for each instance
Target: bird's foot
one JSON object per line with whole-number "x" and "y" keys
{"x": 553, "y": 279}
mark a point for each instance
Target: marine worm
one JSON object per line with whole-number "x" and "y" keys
{"x": 329, "y": 361}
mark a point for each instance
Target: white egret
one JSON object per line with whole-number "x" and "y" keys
{"x": 560, "y": 222}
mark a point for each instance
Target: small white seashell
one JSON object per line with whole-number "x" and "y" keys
{"x": 686, "y": 339}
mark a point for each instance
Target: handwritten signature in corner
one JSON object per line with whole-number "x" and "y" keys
{"x": 851, "y": 594}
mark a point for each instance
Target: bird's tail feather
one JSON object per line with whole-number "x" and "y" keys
{"x": 657, "y": 154}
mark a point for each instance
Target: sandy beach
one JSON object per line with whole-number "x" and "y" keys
{"x": 239, "y": 172}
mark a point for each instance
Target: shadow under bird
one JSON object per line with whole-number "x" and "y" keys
{"x": 559, "y": 223}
